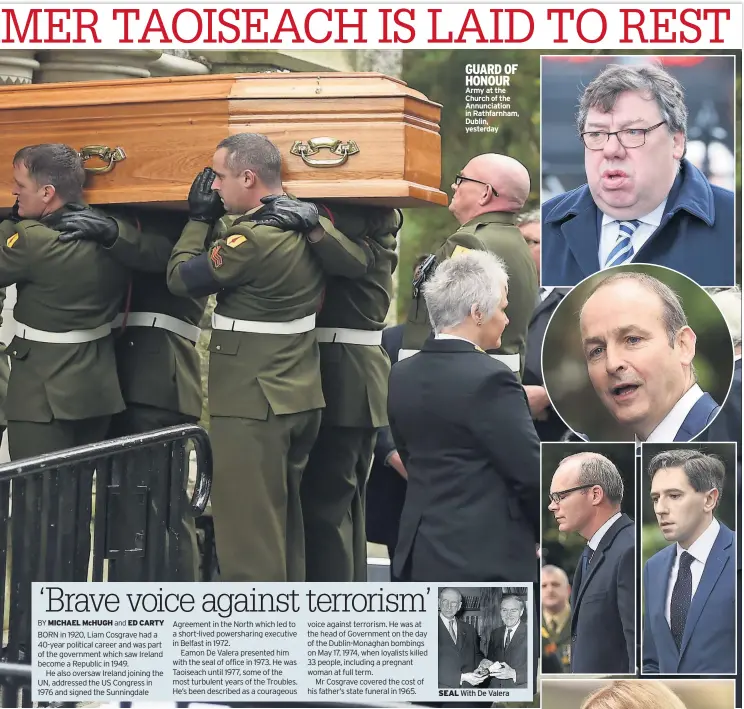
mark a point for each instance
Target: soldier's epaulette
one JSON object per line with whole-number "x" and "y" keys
{"x": 29, "y": 227}
{"x": 242, "y": 225}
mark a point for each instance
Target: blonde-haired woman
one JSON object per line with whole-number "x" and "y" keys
{"x": 634, "y": 694}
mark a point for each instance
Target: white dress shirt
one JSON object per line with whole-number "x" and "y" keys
{"x": 611, "y": 230}
{"x": 597, "y": 536}
{"x": 545, "y": 291}
{"x": 672, "y": 422}
{"x": 446, "y": 622}
{"x": 447, "y": 336}
{"x": 512, "y": 633}
{"x": 700, "y": 549}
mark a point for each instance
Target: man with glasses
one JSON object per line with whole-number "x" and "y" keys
{"x": 585, "y": 496}
{"x": 488, "y": 193}
{"x": 643, "y": 201}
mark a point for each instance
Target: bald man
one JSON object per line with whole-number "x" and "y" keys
{"x": 555, "y": 592}
{"x": 586, "y": 493}
{"x": 488, "y": 193}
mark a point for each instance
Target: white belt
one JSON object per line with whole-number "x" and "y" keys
{"x": 159, "y": 320}
{"x": 293, "y": 327}
{"x": 73, "y": 337}
{"x": 511, "y": 361}
{"x": 347, "y": 336}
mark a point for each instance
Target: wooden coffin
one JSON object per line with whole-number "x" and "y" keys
{"x": 351, "y": 137}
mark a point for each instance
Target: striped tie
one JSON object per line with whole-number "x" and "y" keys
{"x": 623, "y": 250}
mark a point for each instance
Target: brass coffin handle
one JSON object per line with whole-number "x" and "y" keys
{"x": 103, "y": 152}
{"x": 315, "y": 145}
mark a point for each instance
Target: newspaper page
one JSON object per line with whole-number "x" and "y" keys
{"x": 573, "y": 544}
{"x": 309, "y": 643}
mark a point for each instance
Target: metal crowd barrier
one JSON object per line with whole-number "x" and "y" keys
{"x": 109, "y": 511}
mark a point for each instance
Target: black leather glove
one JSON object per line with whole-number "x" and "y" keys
{"x": 87, "y": 225}
{"x": 14, "y": 216}
{"x": 205, "y": 204}
{"x": 286, "y": 213}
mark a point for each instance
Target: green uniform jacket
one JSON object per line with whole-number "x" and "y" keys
{"x": 156, "y": 367}
{"x": 558, "y": 644}
{"x": 263, "y": 274}
{"x": 61, "y": 287}
{"x": 494, "y": 232}
{"x": 355, "y": 377}
{"x": 4, "y": 368}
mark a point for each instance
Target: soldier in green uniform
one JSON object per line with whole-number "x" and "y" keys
{"x": 556, "y": 620}
{"x": 265, "y": 394}
{"x": 488, "y": 194}
{"x": 354, "y": 370}
{"x": 4, "y": 374}
{"x": 63, "y": 386}
{"x": 156, "y": 356}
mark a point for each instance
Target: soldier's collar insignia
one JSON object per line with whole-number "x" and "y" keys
{"x": 11, "y": 240}
{"x": 479, "y": 349}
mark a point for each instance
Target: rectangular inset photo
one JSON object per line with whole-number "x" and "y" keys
{"x": 486, "y": 641}
{"x": 644, "y": 171}
{"x": 688, "y": 542}
{"x": 588, "y": 577}
{"x": 638, "y": 694}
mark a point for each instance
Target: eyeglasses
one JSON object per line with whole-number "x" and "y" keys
{"x": 460, "y": 178}
{"x": 563, "y": 494}
{"x": 628, "y": 138}
{"x": 450, "y": 603}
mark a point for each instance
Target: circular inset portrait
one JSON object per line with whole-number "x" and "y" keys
{"x": 637, "y": 352}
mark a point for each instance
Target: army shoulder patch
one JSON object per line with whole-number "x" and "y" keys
{"x": 460, "y": 250}
{"x": 11, "y": 240}
{"x": 235, "y": 240}
{"x": 215, "y": 256}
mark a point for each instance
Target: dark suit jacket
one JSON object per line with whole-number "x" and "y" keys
{"x": 727, "y": 427}
{"x": 461, "y": 424}
{"x": 695, "y": 237}
{"x": 700, "y": 416}
{"x": 386, "y": 490}
{"x": 603, "y": 620}
{"x": 515, "y": 656}
{"x": 455, "y": 660}
{"x": 708, "y": 643}
{"x": 553, "y": 428}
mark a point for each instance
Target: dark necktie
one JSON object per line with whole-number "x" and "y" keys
{"x": 507, "y": 639}
{"x": 586, "y": 556}
{"x": 681, "y": 597}
{"x": 452, "y": 631}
